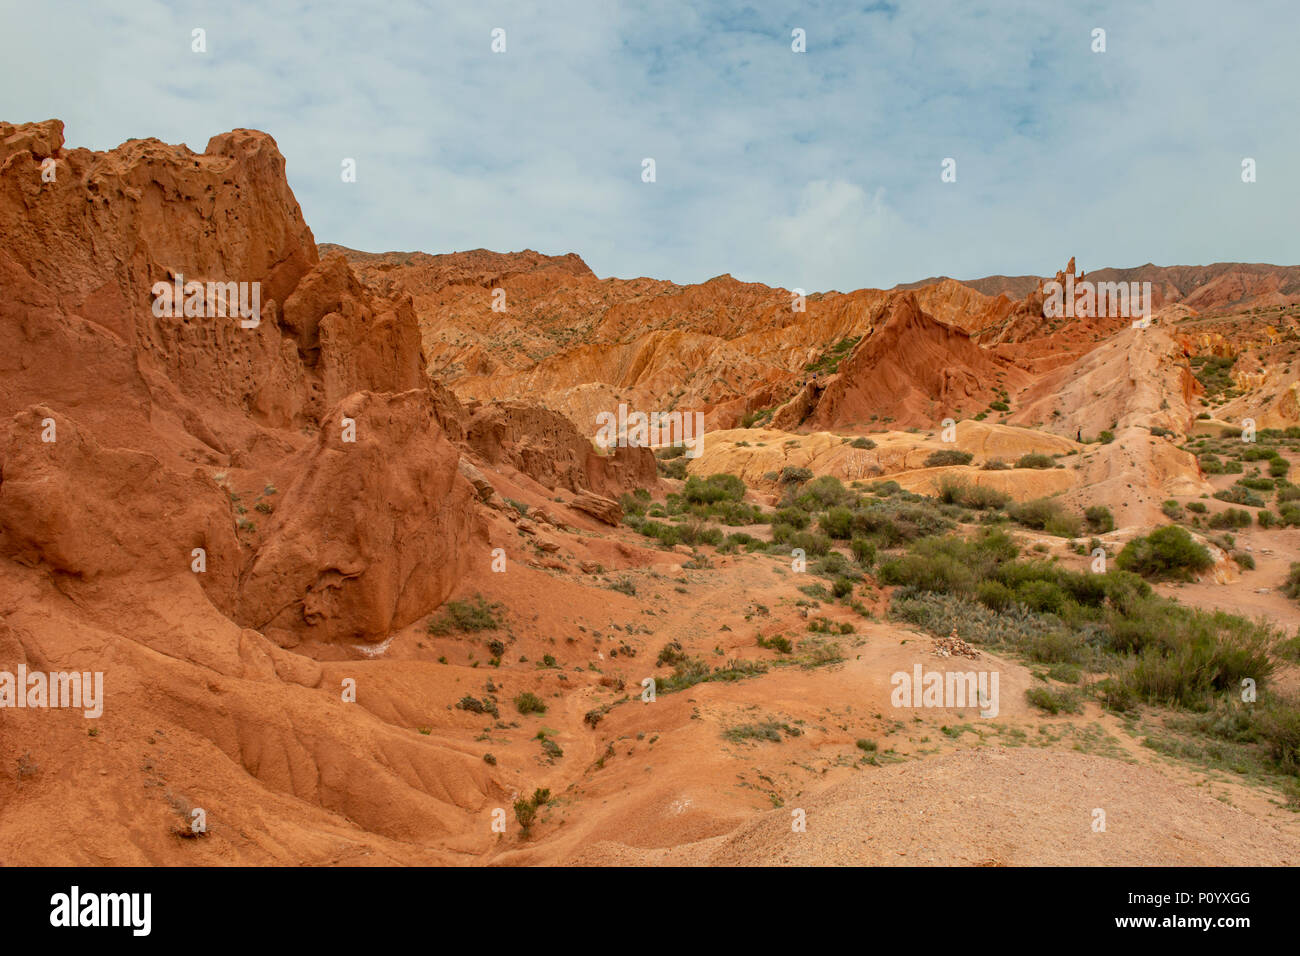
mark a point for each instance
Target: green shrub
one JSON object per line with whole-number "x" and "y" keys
{"x": 951, "y": 490}
{"x": 1099, "y": 519}
{"x": 939, "y": 572}
{"x": 767, "y": 730}
{"x": 948, "y": 456}
{"x": 632, "y": 505}
{"x": 474, "y": 615}
{"x": 670, "y": 655}
{"x": 835, "y": 564}
{"x": 1197, "y": 506}
{"x": 826, "y": 491}
{"x": 864, "y": 552}
{"x": 1042, "y": 596}
{"x": 715, "y": 488}
{"x": 810, "y": 542}
{"x": 995, "y": 464}
{"x": 1045, "y": 514}
{"x": 958, "y": 491}
{"x": 1230, "y": 518}
{"x": 487, "y": 705}
{"x": 1064, "y": 526}
{"x": 995, "y": 595}
{"x": 1054, "y": 701}
{"x": 1212, "y": 371}
{"x": 1287, "y": 492}
{"x": 792, "y": 475}
{"x": 1035, "y": 460}
{"x": 782, "y": 533}
{"x": 895, "y": 521}
{"x": 862, "y": 443}
{"x": 695, "y": 531}
{"x": 1168, "y": 552}
{"x": 529, "y": 703}
{"x": 1266, "y": 518}
{"x": 526, "y": 809}
{"x": 1186, "y": 674}
{"x": 948, "y": 564}
{"x": 837, "y": 523}
{"x": 666, "y": 534}
{"x": 1291, "y": 586}
{"x": 1257, "y": 453}
{"x": 1115, "y": 695}
{"x": 984, "y": 498}
{"x": 1278, "y": 723}
{"x": 795, "y": 517}
{"x": 1035, "y": 513}
{"x": 673, "y": 469}
{"x": 777, "y": 642}
{"x": 1238, "y": 495}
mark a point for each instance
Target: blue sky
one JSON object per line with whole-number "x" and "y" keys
{"x": 818, "y": 170}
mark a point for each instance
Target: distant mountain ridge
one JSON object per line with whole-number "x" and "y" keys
{"x": 1215, "y": 286}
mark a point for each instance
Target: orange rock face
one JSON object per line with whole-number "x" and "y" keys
{"x": 368, "y": 534}
{"x": 140, "y": 398}
{"x": 913, "y": 370}
{"x": 582, "y": 345}
{"x": 544, "y": 329}
{"x": 372, "y": 532}
{"x": 81, "y": 509}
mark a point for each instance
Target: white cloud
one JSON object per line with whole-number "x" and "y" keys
{"x": 836, "y": 230}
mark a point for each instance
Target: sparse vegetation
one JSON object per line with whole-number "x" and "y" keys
{"x": 526, "y": 809}
{"x": 767, "y": 730}
{"x": 828, "y": 362}
{"x": 1214, "y": 373}
{"x": 476, "y": 614}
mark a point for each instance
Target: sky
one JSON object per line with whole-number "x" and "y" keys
{"x": 816, "y": 170}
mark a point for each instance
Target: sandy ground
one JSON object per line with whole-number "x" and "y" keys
{"x": 996, "y": 807}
